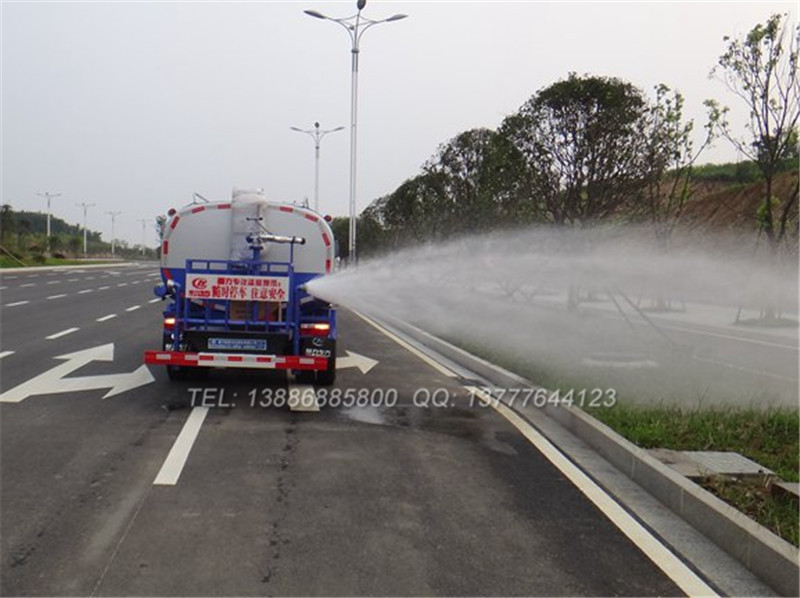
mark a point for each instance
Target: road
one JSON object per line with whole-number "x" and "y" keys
{"x": 187, "y": 488}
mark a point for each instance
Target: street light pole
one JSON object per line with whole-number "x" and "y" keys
{"x": 355, "y": 25}
{"x": 85, "y": 207}
{"x": 113, "y": 237}
{"x": 317, "y": 135}
{"x": 144, "y": 222}
{"x": 49, "y": 196}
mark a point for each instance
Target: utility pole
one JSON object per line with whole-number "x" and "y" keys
{"x": 144, "y": 222}
{"x": 49, "y": 196}
{"x": 113, "y": 237}
{"x": 85, "y": 207}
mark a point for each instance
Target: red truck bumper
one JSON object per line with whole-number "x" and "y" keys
{"x": 233, "y": 360}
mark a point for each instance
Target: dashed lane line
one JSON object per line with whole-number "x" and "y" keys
{"x": 25, "y": 286}
{"x": 133, "y": 308}
{"x": 106, "y": 318}
{"x": 56, "y": 296}
{"x": 84, "y": 291}
{"x": 6, "y": 354}
{"x": 176, "y": 459}
{"x": 60, "y": 334}
{"x": 16, "y": 303}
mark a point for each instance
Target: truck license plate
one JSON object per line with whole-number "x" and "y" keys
{"x": 237, "y": 344}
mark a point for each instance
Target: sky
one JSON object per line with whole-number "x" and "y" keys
{"x": 135, "y": 106}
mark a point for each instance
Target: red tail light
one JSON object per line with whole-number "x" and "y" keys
{"x": 316, "y": 329}
{"x": 169, "y": 323}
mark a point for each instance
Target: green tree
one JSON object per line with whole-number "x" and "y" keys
{"x": 582, "y": 139}
{"x": 474, "y": 183}
{"x": 762, "y": 70}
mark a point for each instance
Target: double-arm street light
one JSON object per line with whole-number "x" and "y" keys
{"x": 316, "y": 134}
{"x": 355, "y": 25}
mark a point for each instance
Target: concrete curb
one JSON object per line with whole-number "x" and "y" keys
{"x": 766, "y": 555}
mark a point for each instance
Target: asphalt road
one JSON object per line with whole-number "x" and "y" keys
{"x": 190, "y": 488}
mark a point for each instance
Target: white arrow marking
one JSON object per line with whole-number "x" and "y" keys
{"x": 53, "y": 381}
{"x": 354, "y": 360}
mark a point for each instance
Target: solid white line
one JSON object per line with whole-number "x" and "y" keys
{"x": 105, "y": 318}
{"x": 6, "y": 354}
{"x": 84, "y": 291}
{"x": 730, "y": 337}
{"x": 133, "y": 308}
{"x": 661, "y": 556}
{"x": 60, "y": 334}
{"x": 176, "y": 459}
{"x": 56, "y": 296}
{"x": 15, "y": 304}
{"x": 434, "y": 364}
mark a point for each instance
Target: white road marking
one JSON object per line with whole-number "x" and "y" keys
{"x": 103, "y": 288}
{"x": 54, "y": 380}
{"x": 731, "y": 337}
{"x": 10, "y": 277}
{"x": 6, "y": 354}
{"x": 133, "y": 308}
{"x": 3, "y": 288}
{"x": 302, "y": 397}
{"x": 73, "y": 280}
{"x": 89, "y": 278}
{"x": 105, "y": 318}
{"x": 16, "y": 303}
{"x": 176, "y": 459}
{"x": 30, "y": 284}
{"x": 84, "y": 291}
{"x": 60, "y": 334}
{"x": 56, "y": 296}
{"x": 431, "y": 362}
{"x": 54, "y": 282}
{"x": 32, "y": 276}
{"x": 122, "y": 284}
{"x": 154, "y": 300}
{"x": 665, "y": 560}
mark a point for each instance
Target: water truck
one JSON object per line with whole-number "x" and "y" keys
{"x": 234, "y": 276}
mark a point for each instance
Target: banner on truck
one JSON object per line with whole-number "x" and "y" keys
{"x": 237, "y": 288}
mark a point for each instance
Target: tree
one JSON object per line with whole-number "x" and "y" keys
{"x": 669, "y": 159}
{"x": 477, "y": 178}
{"x": 762, "y": 70}
{"x": 582, "y": 140}
{"x": 8, "y": 223}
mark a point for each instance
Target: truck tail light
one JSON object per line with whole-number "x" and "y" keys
{"x": 169, "y": 323}
{"x": 316, "y": 329}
